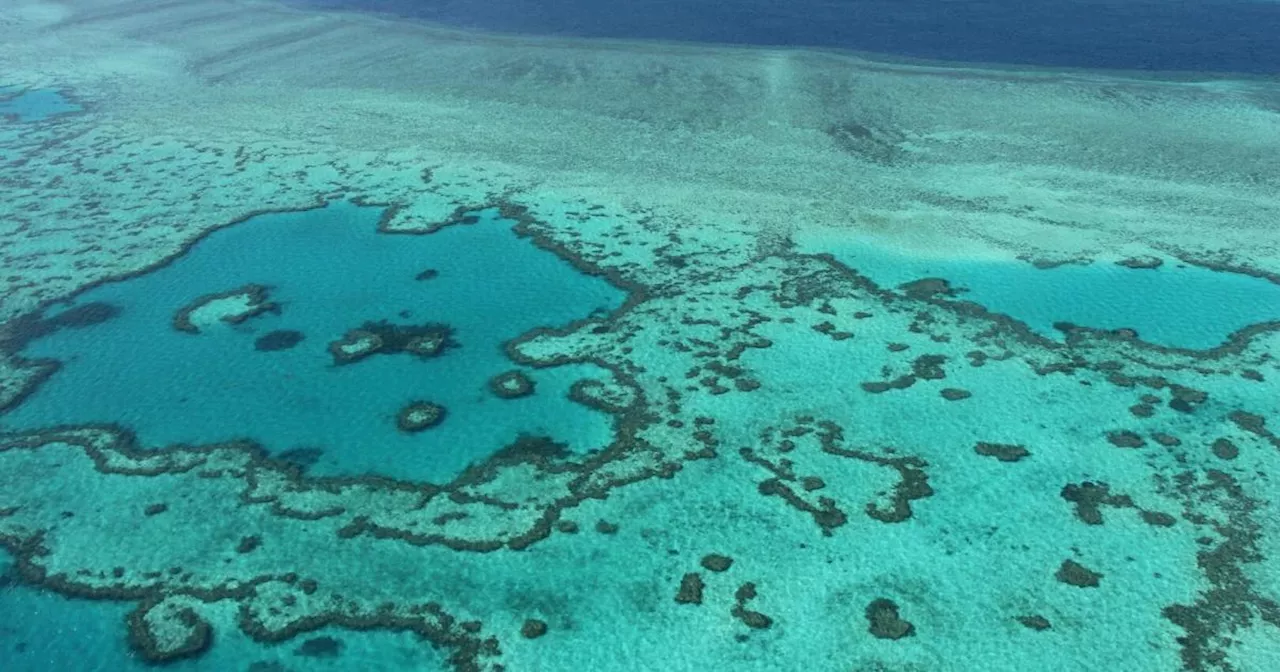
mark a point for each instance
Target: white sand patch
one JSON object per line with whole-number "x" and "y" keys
{"x": 221, "y": 310}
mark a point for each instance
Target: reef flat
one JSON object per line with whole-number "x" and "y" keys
{"x": 807, "y": 461}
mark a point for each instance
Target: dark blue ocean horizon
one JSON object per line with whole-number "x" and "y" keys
{"x": 1241, "y": 36}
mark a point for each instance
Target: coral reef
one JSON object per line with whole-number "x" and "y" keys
{"x": 511, "y": 385}
{"x": 419, "y": 415}
{"x": 232, "y": 306}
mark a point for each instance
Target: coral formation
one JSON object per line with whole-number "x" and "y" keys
{"x": 232, "y": 306}
{"x": 419, "y": 415}
{"x": 511, "y": 385}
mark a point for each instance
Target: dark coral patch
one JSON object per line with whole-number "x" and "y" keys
{"x": 1158, "y": 519}
{"x": 928, "y": 288}
{"x": 267, "y": 666}
{"x": 18, "y": 332}
{"x": 754, "y": 619}
{"x": 749, "y": 617}
{"x": 899, "y": 383}
{"x": 191, "y": 635}
{"x": 1186, "y": 399}
{"x": 884, "y": 621}
{"x": 826, "y": 514}
{"x": 1225, "y": 449}
{"x": 1089, "y": 497}
{"x": 528, "y": 449}
{"x": 1249, "y": 422}
{"x": 320, "y": 647}
{"x": 302, "y": 457}
{"x": 419, "y": 415}
{"x": 86, "y": 315}
{"x": 746, "y": 384}
{"x": 1234, "y": 600}
{"x": 929, "y": 367}
{"x": 601, "y": 396}
{"x": 1035, "y": 622}
{"x": 1075, "y": 574}
{"x": 511, "y": 385}
{"x": 717, "y": 563}
{"x": 1142, "y": 410}
{"x": 280, "y": 339}
{"x": 1005, "y": 452}
{"x": 383, "y": 337}
{"x": 1141, "y": 262}
{"x": 533, "y": 628}
{"x": 1125, "y": 439}
{"x": 690, "y": 591}
{"x": 955, "y": 394}
{"x": 155, "y": 509}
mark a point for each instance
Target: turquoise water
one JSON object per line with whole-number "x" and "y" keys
{"x": 1174, "y": 305}
{"x": 34, "y": 105}
{"x": 794, "y": 472}
{"x": 330, "y": 271}
{"x": 59, "y": 633}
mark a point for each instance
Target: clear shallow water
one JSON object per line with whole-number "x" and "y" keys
{"x": 1200, "y": 36}
{"x": 56, "y": 632}
{"x": 330, "y": 271}
{"x": 59, "y": 633}
{"x": 1174, "y": 305}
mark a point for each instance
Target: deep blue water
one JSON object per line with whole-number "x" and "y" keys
{"x": 1189, "y": 35}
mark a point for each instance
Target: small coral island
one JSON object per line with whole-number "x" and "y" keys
{"x": 425, "y": 341}
{"x": 169, "y": 630}
{"x": 231, "y": 307}
{"x": 419, "y": 415}
{"x": 511, "y": 385}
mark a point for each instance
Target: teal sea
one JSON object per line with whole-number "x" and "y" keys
{"x": 1173, "y": 305}
{"x": 486, "y": 284}
{"x": 399, "y": 336}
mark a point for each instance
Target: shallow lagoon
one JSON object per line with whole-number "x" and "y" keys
{"x": 33, "y": 105}
{"x": 330, "y": 271}
{"x": 1175, "y": 305}
{"x": 61, "y": 633}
